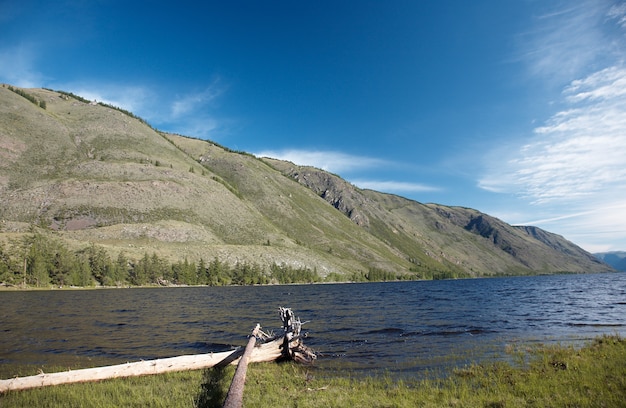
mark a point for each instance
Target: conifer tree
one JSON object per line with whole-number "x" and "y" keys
{"x": 6, "y": 272}
{"x": 121, "y": 268}
{"x": 36, "y": 268}
{"x": 81, "y": 275}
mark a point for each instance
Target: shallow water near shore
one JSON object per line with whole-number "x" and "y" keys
{"x": 399, "y": 328}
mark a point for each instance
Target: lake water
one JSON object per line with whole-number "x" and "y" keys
{"x": 402, "y": 328}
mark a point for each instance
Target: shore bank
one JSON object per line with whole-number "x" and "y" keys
{"x": 554, "y": 375}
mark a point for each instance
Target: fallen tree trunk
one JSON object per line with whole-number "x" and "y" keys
{"x": 270, "y": 351}
{"x": 234, "y": 398}
{"x": 266, "y": 352}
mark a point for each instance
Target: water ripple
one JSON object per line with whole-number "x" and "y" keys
{"x": 403, "y": 327}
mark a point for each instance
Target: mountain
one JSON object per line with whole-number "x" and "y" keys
{"x": 90, "y": 173}
{"x": 617, "y": 259}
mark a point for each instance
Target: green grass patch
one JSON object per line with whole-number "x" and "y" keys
{"x": 544, "y": 376}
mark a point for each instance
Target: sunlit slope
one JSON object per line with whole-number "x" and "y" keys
{"x": 95, "y": 174}
{"x": 303, "y": 218}
{"x": 453, "y": 238}
{"x": 92, "y": 174}
{"x": 76, "y": 166}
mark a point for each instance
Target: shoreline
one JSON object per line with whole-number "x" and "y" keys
{"x": 27, "y": 288}
{"x": 539, "y": 376}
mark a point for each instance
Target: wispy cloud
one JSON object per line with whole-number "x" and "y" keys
{"x": 580, "y": 150}
{"x": 571, "y": 170}
{"x": 17, "y": 66}
{"x": 202, "y": 126}
{"x": 133, "y": 98}
{"x": 336, "y": 162}
{"x": 600, "y": 229}
{"x": 342, "y": 163}
{"x": 187, "y": 114}
{"x": 565, "y": 42}
{"x": 617, "y": 12}
{"x": 394, "y": 186}
{"x": 191, "y": 103}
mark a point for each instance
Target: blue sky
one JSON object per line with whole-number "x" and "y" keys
{"x": 516, "y": 108}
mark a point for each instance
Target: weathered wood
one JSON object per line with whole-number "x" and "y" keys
{"x": 287, "y": 346}
{"x": 293, "y": 348}
{"x": 234, "y": 398}
{"x": 266, "y": 352}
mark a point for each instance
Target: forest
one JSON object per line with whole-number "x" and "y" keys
{"x": 37, "y": 260}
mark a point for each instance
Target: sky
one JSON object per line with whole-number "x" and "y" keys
{"x": 516, "y": 108}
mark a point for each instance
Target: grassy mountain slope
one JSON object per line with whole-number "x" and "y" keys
{"x": 431, "y": 235}
{"x": 92, "y": 174}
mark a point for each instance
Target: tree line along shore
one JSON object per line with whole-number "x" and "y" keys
{"x": 39, "y": 261}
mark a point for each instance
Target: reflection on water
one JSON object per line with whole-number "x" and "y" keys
{"x": 397, "y": 327}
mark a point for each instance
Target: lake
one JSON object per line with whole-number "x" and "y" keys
{"x": 401, "y": 328}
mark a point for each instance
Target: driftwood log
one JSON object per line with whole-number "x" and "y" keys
{"x": 286, "y": 346}
{"x": 234, "y": 398}
{"x": 291, "y": 348}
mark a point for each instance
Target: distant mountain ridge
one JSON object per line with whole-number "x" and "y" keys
{"x": 93, "y": 174}
{"x": 617, "y": 259}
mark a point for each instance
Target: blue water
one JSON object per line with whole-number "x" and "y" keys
{"x": 402, "y": 328}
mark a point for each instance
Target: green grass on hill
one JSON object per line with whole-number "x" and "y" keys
{"x": 545, "y": 376}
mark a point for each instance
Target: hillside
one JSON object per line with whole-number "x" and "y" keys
{"x": 87, "y": 173}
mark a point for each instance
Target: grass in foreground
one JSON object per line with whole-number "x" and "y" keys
{"x": 548, "y": 376}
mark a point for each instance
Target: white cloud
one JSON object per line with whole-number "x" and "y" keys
{"x": 618, "y": 12}
{"x": 598, "y": 229}
{"x": 577, "y": 152}
{"x": 133, "y": 98}
{"x": 573, "y": 170}
{"x": 17, "y": 66}
{"x": 335, "y": 162}
{"x": 569, "y": 176}
{"x": 200, "y": 127}
{"x": 605, "y": 84}
{"x": 555, "y": 218}
{"x": 193, "y": 102}
{"x": 186, "y": 115}
{"x": 341, "y": 163}
{"x": 564, "y": 43}
{"x": 394, "y": 186}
